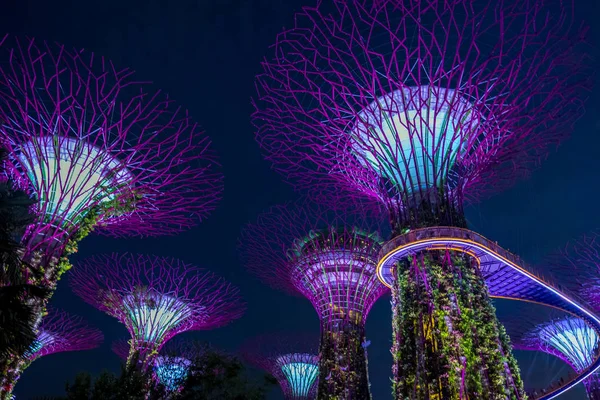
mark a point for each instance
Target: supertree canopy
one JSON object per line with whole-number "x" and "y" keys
{"x": 578, "y": 267}
{"x": 329, "y": 257}
{"x": 291, "y": 359}
{"x": 156, "y": 298}
{"x": 58, "y": 332}
{"x": 557, "y": 333}
{"x": 172, "y": 365}
{"x": 98, "y": 151}
{"x": 421, "y": 105}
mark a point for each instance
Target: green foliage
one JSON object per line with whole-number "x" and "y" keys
{"x": 448, "y": 343}
{"x": 436, "y": 210}
{"x": 343, "y": 363}
{"x": 119, "y": 205}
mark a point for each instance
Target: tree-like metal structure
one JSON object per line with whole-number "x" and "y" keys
{"x": 536, "y": 328}
{"x": 171, "y": 366}
{"x": 155, "y": 298}
{"x": 328, "y": 257}
{"x": 98, "y": 151}
{"x": 570, "y": 339}
{"x": 421, "y": 105}
{"x": 290, "y": 358}
{"x": 578, "y": 267}
{"x": 59, "y": 332}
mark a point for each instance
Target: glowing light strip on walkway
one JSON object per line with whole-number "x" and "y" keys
{"x": 445, "y": 241}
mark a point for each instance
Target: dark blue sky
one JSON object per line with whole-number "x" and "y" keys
{"x": 205, "y": 54}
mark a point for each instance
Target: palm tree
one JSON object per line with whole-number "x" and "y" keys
{"x": 17, "y": 316}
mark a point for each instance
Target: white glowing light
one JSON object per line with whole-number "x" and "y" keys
{"x": 413, "y": 136}
{"x": 300, "y": 375}
{"x": 153, "y": 315}
{"x": 573, "y": 338}
{"x": 69, "y": 176}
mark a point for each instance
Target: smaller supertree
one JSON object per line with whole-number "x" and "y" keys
{"x": 156, "y": 298}
{"x": 328, "y": 256}
{"x": 559, "y": 334}
{"x": 59, "y": 332}
{"x": 172, "y": 365}
{"x": 291, "y": 359}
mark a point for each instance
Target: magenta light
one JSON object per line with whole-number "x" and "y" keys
{"x": 329, "y": 257}
{"x": 60, "y": 332}
{"x": 84, "y": 136}
{"x": 156, "y": 298}
{"x": 291, "y": 358}
{"x": 324, "y": 255}
{"x": 399, "y": 101}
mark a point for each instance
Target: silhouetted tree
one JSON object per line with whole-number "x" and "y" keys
{"x": 17, "y": 316}
{"x": 217, "y": 376}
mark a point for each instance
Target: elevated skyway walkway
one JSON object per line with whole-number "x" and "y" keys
{"x": 507, "y": 276}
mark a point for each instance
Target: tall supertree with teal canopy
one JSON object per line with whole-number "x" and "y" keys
{"x": 156, "y": 298}
{"x": 291, "y": 359}
{"x": 421, "y": 105}
{"x": 58, "y": 332}
{"x": 329, "y": 257}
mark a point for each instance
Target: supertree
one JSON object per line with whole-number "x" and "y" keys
{"x": 536, "y": 328}
{"x": 57, "y": 333}
{"x": 421, "y": 105}
{"x": 98, "y": 152}
{"x": 329, "y": 257}
{"x": 577, "y": 265}
{"x": 290, "y": 358}
{"x": 172, "y": 365}
{"x": 155, "y": 298}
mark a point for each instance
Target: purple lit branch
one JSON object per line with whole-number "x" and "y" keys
{"x": 392, "y": 99}
{"x": 61, "y": 332}
{"x": 84, "y": 137}
{"x": 121, "y": 348}
{"x": 290, "y": 358}
{"x": 325, "y": 255}
{"x": 578, "y": 267}
{"x": 537, "y": 328}
{"x": 156, "y": 298}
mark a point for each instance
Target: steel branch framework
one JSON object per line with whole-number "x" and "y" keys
{"x": 291, "y": 359}
{"x": 329, "y": 257}
{"x": 92, "y": 144}
{"x": 59, "y": 332}
{"x": 562, "y": 335}
{"x": 156, "y": 298}
{"x": 421, "y": 105}
{"x": 411, "y": 101}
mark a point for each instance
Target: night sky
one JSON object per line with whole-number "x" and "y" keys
{"x": 205, "y": 54}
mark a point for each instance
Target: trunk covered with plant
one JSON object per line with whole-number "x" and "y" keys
{"x": 343, "y": 362}
{"x": 448, "y": 343}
